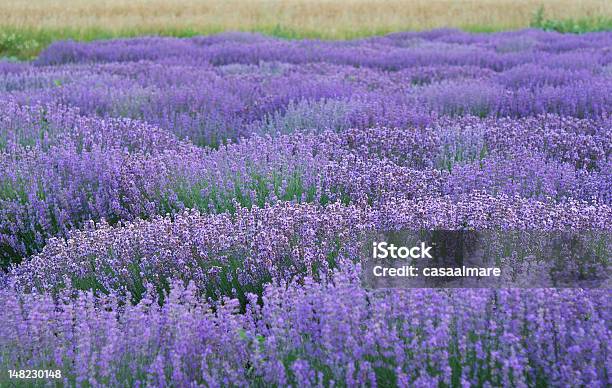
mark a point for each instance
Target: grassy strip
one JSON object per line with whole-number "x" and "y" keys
{"x": 27, "y": 43}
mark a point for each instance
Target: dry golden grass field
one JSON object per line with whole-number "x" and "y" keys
{"x": 27, "y": 26}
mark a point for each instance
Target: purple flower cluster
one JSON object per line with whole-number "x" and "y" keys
{"x": 315, "y": 334}
{"x": 228, "y": 254}
{"x": 190, "y": 212}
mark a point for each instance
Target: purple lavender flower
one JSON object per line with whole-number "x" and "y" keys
{"x": 190, "y": 212}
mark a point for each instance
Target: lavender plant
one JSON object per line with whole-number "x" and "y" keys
{"x": 190, "y": 212}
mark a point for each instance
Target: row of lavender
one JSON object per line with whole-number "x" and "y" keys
{"x": 316, "y": 335}
{"x": 312, "y": 325}
{"x": 85, "y": 168}
{"x": 247, "y": 167}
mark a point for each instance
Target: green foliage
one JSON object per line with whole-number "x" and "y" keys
{"x": 576, "y": 26}
{"x": 17, "y": 45}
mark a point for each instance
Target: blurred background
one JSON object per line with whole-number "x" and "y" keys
{"x": 27, "y": 27}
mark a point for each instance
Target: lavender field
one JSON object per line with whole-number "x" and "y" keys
{"x": 187, "y": 212}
